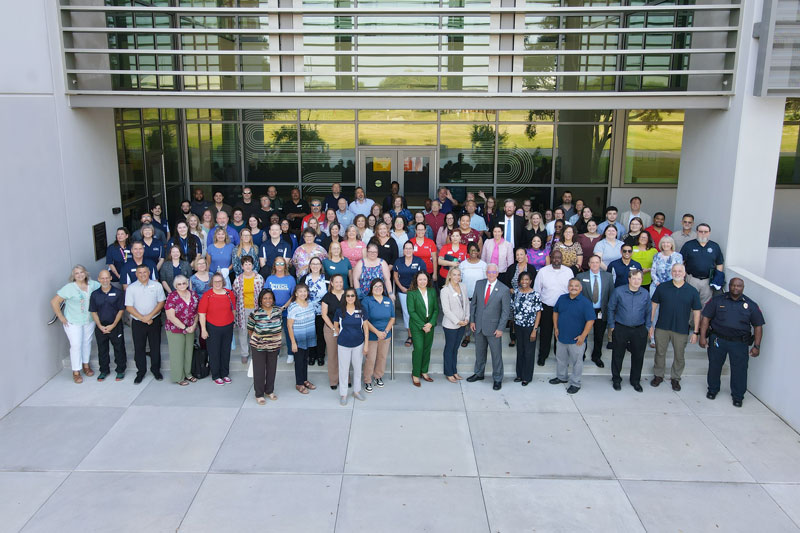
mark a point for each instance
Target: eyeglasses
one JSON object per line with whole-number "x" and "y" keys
{"x": 703, "y": 231}
{"x": 491, "y": 271}
{"x": 316, "y": 205}
{"x": 280, "y": 264}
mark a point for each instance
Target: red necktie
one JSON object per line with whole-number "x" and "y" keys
{"x": 488, "y": 292}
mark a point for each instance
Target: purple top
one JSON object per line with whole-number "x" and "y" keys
{"x": 538, "y": 258}
{"x": 183, "y": 311}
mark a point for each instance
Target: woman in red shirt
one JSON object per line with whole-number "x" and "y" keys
{"x": 451, "y": 254}
{"x": 425, "y": 249}
{"x": 216, "y": 323}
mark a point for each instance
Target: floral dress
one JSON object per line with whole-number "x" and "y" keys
{"x": 367, "y": 275}
{"x": 301, "y": 258}
{"x": 661, "y": 270}
{"x": 236, "y": 260}
{"x": 185, "y": 312}
{"x": 525, "y": 306}
{"x": 316, "y": 290}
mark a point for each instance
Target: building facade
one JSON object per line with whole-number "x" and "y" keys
{"x": 114, "y": 105}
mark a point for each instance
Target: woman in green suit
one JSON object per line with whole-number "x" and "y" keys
{"x": 423, "y": 310}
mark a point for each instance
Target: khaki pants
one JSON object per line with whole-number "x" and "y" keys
{"x": 332, "y": 351}
{"x": 375, "y": 362}
{"x": 702, "y": 286}
{"x": 678, "y": 340}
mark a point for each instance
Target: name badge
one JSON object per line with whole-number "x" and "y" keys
{"x": 112, "y": 293}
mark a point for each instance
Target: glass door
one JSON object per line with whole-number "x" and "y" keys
{"x": 380, "y": 169}
{"x": 416, "y": 180}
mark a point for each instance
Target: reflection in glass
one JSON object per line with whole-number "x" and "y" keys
{"x": 213, "y": 152}
{"x": 378, "y": 174}
{"x": 268, "y": 115}
{"x": 653, "y": 153}
{"x": 270, "y": 151}
{"x": 466, "y": 153}
{"x": 789, "y": 159}
{"x": 527, "y": 115}
{"x": 328, "y": 153}
{"x": 397, "y": 114}
{"x": 397, "y": 134}
{"x": 131, "y": 161}
{"x": 594, "y": 197}
{"x": 525, "y": 153}
{"x": 539, "y": 196}
{"x": 468, "y": 115}
{"x": 416, "y": 178}
{"x": 582, "y": 153}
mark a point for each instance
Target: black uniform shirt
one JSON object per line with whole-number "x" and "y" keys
{"x": 733, "y": 318}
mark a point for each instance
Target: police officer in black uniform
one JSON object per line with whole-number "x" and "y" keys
{"x": 725, "y": 330}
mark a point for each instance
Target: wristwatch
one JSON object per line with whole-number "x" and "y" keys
{"x": 757, "y": 346}
{"x": 696, "y": 333}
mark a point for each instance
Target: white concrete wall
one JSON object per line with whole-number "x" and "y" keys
{"x": 773, "y": 374}
{"x": 60, "y": 177}
{"x": 782, "y": 268}
{"x": 785, "y": 225}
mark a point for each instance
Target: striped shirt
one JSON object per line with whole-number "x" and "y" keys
{"x": 265, "y": 329}
{"x": 304, "y": 329}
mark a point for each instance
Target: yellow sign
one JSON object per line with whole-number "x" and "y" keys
{"x": 382, "y": 164}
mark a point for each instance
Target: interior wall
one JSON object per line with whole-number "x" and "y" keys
{"x": 60, "y": 168}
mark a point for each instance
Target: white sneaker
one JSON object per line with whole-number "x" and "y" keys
{"x": 289, "y": 359}
{"x": 343, "y": 400}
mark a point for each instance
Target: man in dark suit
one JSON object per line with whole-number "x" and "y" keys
{"x": 513, "y": 225}
{"x": 489, "y": 310}
{"x": 597, "y": 285}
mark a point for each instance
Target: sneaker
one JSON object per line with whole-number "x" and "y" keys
{"x": 219, "y": 381}
{"x": 102, "y": 376}
{"x": 289, "y": 359}
{"x": 227, "y": 380}
{"x": 120, "y": 376}
{"x": 368, "y": 387}
{"x": 379, "y": 382}
{"x": 342, "y": 400}
{"x": 137, "y": 380}
{"x": 573, "y": 389}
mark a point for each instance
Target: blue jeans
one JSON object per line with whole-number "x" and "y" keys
{"x": 452, "y": 340}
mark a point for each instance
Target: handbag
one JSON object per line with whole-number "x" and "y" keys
{"x": 200, "y": 367}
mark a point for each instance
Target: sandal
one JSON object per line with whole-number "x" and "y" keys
{"x": 192, "y": 379}
{"x": 301, "y": 389}
{"x": 465, "y": 342}
{"x": 452, "y": 379}
{"x": 88, "y": 370}
{"x": 76, "y": 377}
{"x": 261, "y": 401}
{"x": 408, "y": 342}
{"x": 272, "y": 396}
{"x": 309, "y": 385}
{"x": 183, "y": 383}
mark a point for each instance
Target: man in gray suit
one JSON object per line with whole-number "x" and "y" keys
{"x": 597, "y": 285}
{"x": 489, "y": 311}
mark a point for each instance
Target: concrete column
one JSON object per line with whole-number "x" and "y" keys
{"x": 729, "y": 161}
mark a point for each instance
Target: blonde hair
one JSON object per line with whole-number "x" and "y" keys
{"x": 82, "y": 269}
{"x": 227, "y": 237}
{"x": 253, "y": 246}
{"x": 450, "y": 274}
{"x": 670, "y": 240}
{"x": 189, "y": 222}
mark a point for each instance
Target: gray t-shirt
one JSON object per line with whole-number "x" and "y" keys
{"x": 144, "y": 298}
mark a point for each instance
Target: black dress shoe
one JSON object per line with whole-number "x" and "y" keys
{"x": 525, "y": 383}
{"x": 737, "y": 403}
{"x": 517, "y": 380}
{"x": 609, "y": 346}
{"x": 617, "y": 386}
{"x": 637, "y": 387}
{"x": 334, "y": 387}
{"x": 573, "y": 389}
{"x": 540, "y": 362}
{"x": 497, "y": 385}
{"x": 321, "y": 362}
{"x": 158, "y": 376}
{"x": 711, "y": 395}
{"x": 599, "y": 363}
{"x": 556, "y": 381}
{"x": 474, "y": 377}
{"x": 138, "y": 380}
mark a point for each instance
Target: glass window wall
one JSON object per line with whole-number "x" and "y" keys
{"x": 653, "y": 146}
{"x": 789, "y": 160}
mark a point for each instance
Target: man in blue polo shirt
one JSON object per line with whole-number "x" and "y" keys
{"x": 222, "y": 222}
{"x": 701, "y": 257}
{"x": 107, "y": 305}
{"x": 622, "y": 267}
{"x": 273, "y": 248}
{"x": 573, "y": 318}
{"x": 128, "y": 274}
{"x": 674, "y": 301}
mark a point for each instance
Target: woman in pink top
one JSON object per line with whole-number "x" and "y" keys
{"x": 353, "y": 248}
{"x": 498, "y": 251}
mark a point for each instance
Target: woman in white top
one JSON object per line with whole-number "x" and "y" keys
{"x": 399, "y": 231}
{"x": 472, "y": 270}
{"x": 455, "y": 317}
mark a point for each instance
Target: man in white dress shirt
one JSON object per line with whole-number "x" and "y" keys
{"x": 551, "y": 282}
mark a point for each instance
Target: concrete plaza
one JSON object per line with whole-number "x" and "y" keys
{"x": 445, "y": 457}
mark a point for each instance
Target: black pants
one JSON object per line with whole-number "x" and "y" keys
{"x": 317, "y": 353}
{"x": 622, "y": 337}
{"x": 144, "y": 335}
{"x": 301, "y": 365}
{"x": 599, "y": 331}
{"x": 265, "y": 363}
{"x": 739, "y": 352}
{"x": 219, "y": 349}
{"x": 526, "y": 352}
{"x": 545, "y": 331}
{"x": 117, "y": 339}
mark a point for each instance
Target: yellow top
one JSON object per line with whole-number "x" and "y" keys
{"x": 248, "y": 291}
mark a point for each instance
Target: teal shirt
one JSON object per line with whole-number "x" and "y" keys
{"x": 76, "y": 308}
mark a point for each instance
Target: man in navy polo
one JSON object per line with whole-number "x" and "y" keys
{"x": 128, "y": 274}
{"x": 107, "y": 305}
{"x": 573, "y": 318}
{"x": 622, "y": 267}
{"x": 273, "y": 248}
{"x": 701, "y": 257}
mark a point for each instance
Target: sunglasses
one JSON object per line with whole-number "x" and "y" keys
{"x": 350, "y": 296}
{"x": 627, "y": 251}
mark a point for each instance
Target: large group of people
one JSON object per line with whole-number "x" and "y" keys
{"x": 325, "y": 276}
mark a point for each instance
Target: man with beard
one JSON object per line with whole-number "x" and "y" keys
{"x": 199, "y": 204}
{"x": 702, "y": 256}
{"x": 551, "y": 282}
{"x": 657, "y": 230}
